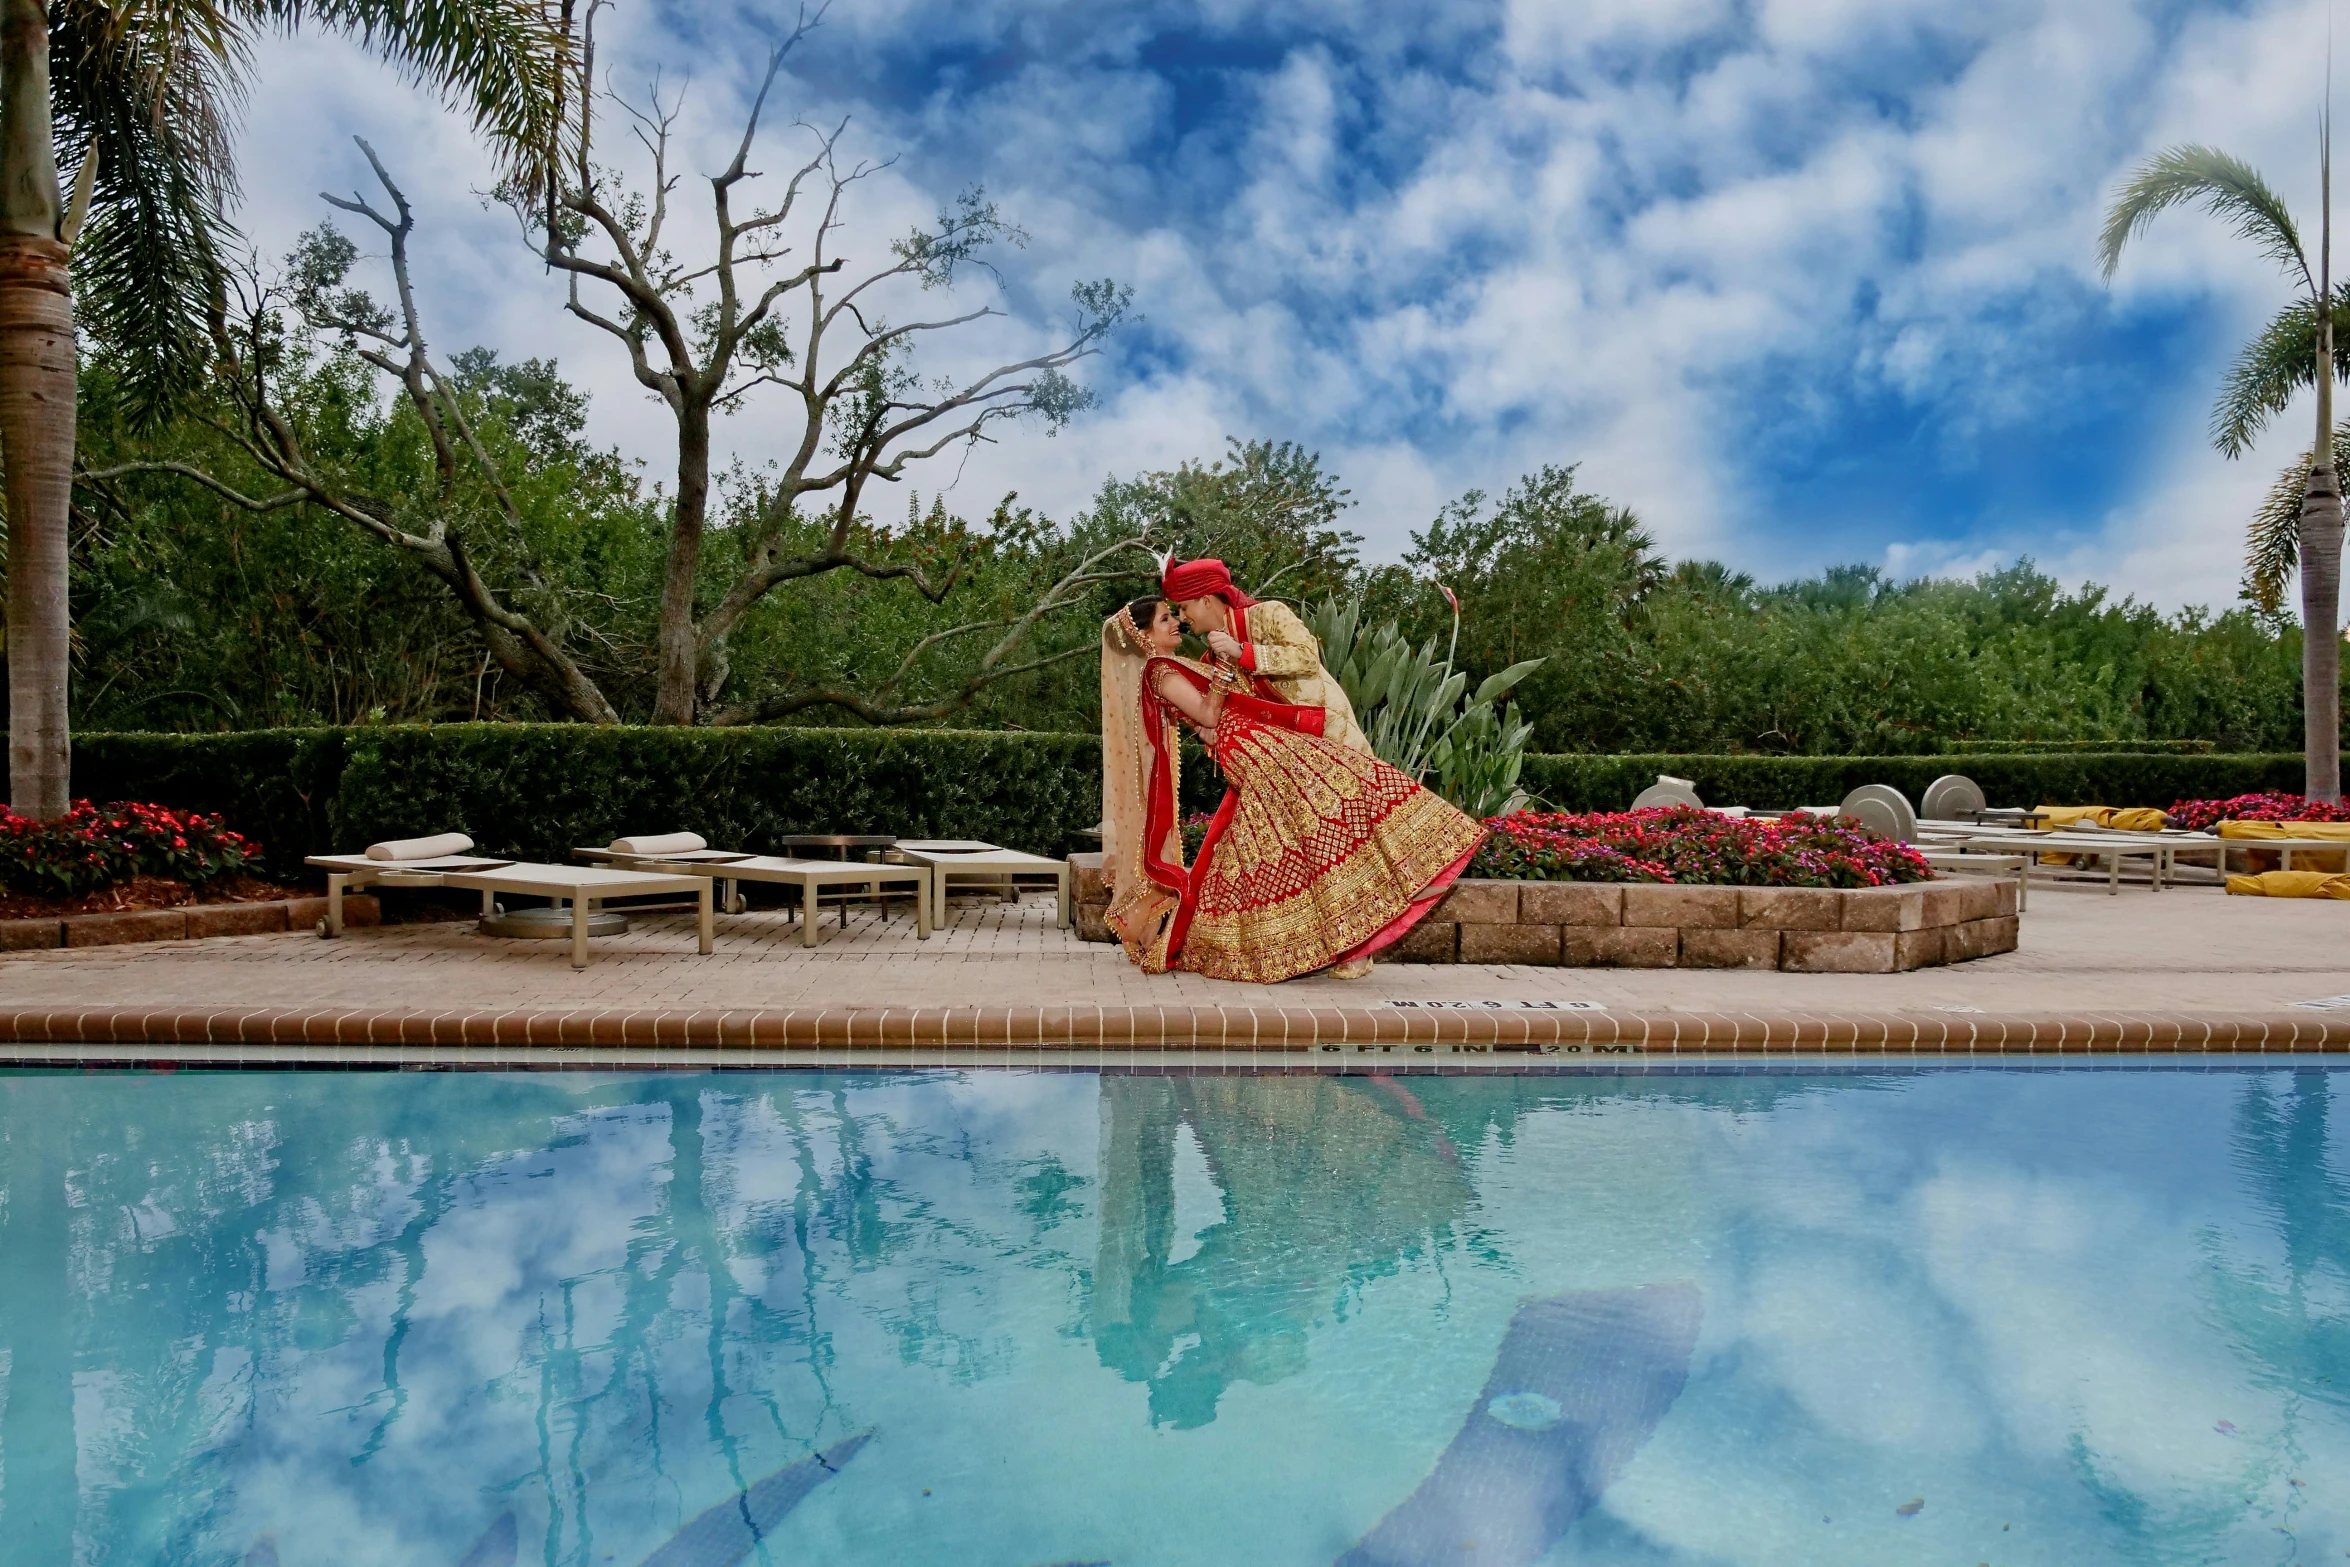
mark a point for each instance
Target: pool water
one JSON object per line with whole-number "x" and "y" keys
{"x": 991, "y": 1317}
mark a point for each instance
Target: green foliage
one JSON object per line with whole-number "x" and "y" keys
{"x": 196, "y": 614}
{"x": 96, "y": 846}
{"x": 543, "y": 789}
{"x": 1608, "y": 783}
{"x": 273, "y": 785}
{"x": 1415, "y": 710}
{"x": 540, "y": 790}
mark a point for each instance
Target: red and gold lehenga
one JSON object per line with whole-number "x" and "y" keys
{"x": 1319, "y": 854}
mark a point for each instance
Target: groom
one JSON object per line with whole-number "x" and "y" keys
{"x": 1265, "y": 639}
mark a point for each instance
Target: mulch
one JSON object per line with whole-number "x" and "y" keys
{"x": 148, "y": 892}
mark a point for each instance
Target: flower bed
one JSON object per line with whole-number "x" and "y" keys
{"x": 2274, "y": 806}
{"x": 93, "y": 847}
{"x": 1685, "y": 846}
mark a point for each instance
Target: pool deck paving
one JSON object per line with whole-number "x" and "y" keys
{"x": 2184, "y": 971}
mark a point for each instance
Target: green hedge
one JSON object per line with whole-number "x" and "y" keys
{"x": 542, "y": 789}
{"x": 539, "y": 790}
{"x": 1608, "y": 783}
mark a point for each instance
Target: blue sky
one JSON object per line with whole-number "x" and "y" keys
{"x": 1802, "y": 281}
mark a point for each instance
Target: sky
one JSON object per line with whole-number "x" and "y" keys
{"x": 1802, "y": 282}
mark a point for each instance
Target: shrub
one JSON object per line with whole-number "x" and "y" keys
{"x": 1677, "y": 843}
{"x": 2271, "y": 806}
{"x": 542, "y": 789}
{"x": 1608, "y": 783}
{"x": 90, "y": 848}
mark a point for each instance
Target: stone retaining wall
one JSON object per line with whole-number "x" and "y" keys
{"x": 1806, "y": 930}
{"x": 188, "y": 920}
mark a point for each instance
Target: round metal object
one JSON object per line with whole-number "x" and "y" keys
{"x": 1883, "y": 809}
{"x": 1953, "y": 797}
{"x": 551, "y": 924}
{"x": 1665, "y": 794}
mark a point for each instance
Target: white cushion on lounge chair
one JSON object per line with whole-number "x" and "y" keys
{"x": 431, "y": 848}
{"x": 660, "y": 843}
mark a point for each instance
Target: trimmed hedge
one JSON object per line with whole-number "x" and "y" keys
{"x": 1608, "y": 783}
{"x": 541, "y": 789}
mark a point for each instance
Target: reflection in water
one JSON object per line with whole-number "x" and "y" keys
{"x": 470, "y": 1320}
{"x": 1325, "y": 1182}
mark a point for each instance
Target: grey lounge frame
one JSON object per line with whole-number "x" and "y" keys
{"x": 810, "y": 876}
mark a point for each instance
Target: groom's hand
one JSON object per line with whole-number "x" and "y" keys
{"x": 1225, "y": 645}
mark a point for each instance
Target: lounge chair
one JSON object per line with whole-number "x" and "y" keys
{"x": 688, "y": 854}
{"x": 443, "y": 862}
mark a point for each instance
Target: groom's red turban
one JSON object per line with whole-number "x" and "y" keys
{"x": 1199, "y": 579}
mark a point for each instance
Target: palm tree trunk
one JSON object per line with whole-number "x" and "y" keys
{"x": 2321, "y": 635}
{"x": 36, "y": 418}
{"x": 2321, "y": 531}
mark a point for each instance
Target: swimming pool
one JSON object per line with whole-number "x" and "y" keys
{"x": 1040, "y": 1318}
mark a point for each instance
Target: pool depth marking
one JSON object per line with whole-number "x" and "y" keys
{"x": 1503, "y": 1006}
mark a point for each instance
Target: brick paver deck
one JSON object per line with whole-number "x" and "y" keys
{"x": 2186, "y": 970}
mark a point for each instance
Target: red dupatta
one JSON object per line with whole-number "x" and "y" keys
{"x": 1160, "y": 802}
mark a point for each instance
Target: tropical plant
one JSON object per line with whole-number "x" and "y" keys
{"x": 2259, "y": 386}
{"x": 1410, "y": 704}
{"x": 140, "y": 99}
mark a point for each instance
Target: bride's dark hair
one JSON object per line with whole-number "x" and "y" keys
{"x": 1143, "y": 611}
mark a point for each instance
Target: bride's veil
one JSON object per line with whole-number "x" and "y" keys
{"x": 1126, "y": 758}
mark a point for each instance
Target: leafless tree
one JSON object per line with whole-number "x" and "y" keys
{"x": 251, "y": 350}
{"x": 762, "y": 312}
{"x": 703, "y": 337}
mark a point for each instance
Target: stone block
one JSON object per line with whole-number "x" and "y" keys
{"x": 1087, "y": 883}
{"x": 1623, "y": 946}
{"x": 1884, "y": 909}
{"x": 1730, "y": 949}
{"x": 1837, "y": 951}
{"x": 2009, "y": 895}
{"x": 1571, "y": 903}
{"x": 236, "y": 919}
{"x": 1479, "y": 903}
{"x": 1430, "y": 941}
{"x": 1981, "y": 938}
{"x": 1093, "y": 922}
{"x": 1925, "y": 947}
{"x": 1510, "y": 944}
{"x": 1979, "y": 897}
{"x": 1684, "y": 908}
{"x": 1791, "y": 908}
{"x": 358, "y": 909}
{"x": 107, "y": 930}
{"x": 31, "y": 935}
{"x": 1942, "y": 903}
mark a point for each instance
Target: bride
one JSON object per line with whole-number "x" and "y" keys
{"x": 1320, "y": 855}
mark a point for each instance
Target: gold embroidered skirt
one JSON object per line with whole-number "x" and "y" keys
{"x": 1318, "y": 850}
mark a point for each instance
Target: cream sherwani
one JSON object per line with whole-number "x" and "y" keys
{"x": 1277, "y": 645}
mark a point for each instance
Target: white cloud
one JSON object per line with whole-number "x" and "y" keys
{"x": 1591, "y": 242}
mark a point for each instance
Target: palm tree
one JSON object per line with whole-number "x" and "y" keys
{"x": 141, "y": 98}
{"x": 2232, "y": 189}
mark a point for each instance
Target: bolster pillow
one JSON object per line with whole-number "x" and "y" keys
{"x": 420, "y": 848}
{"x": 660, "y": 843}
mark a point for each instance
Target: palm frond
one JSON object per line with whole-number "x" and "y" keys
{"x": 154, "y": 85}
{"x": 2225, "y": 186}
{"x": 505, "y": 62}
{"x": 154, "y": 92}
{"x": 2272, "y": 544}
{"x": 2272, "y": 368}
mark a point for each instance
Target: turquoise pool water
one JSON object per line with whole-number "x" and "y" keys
{"x": 1025, "y": 1318}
